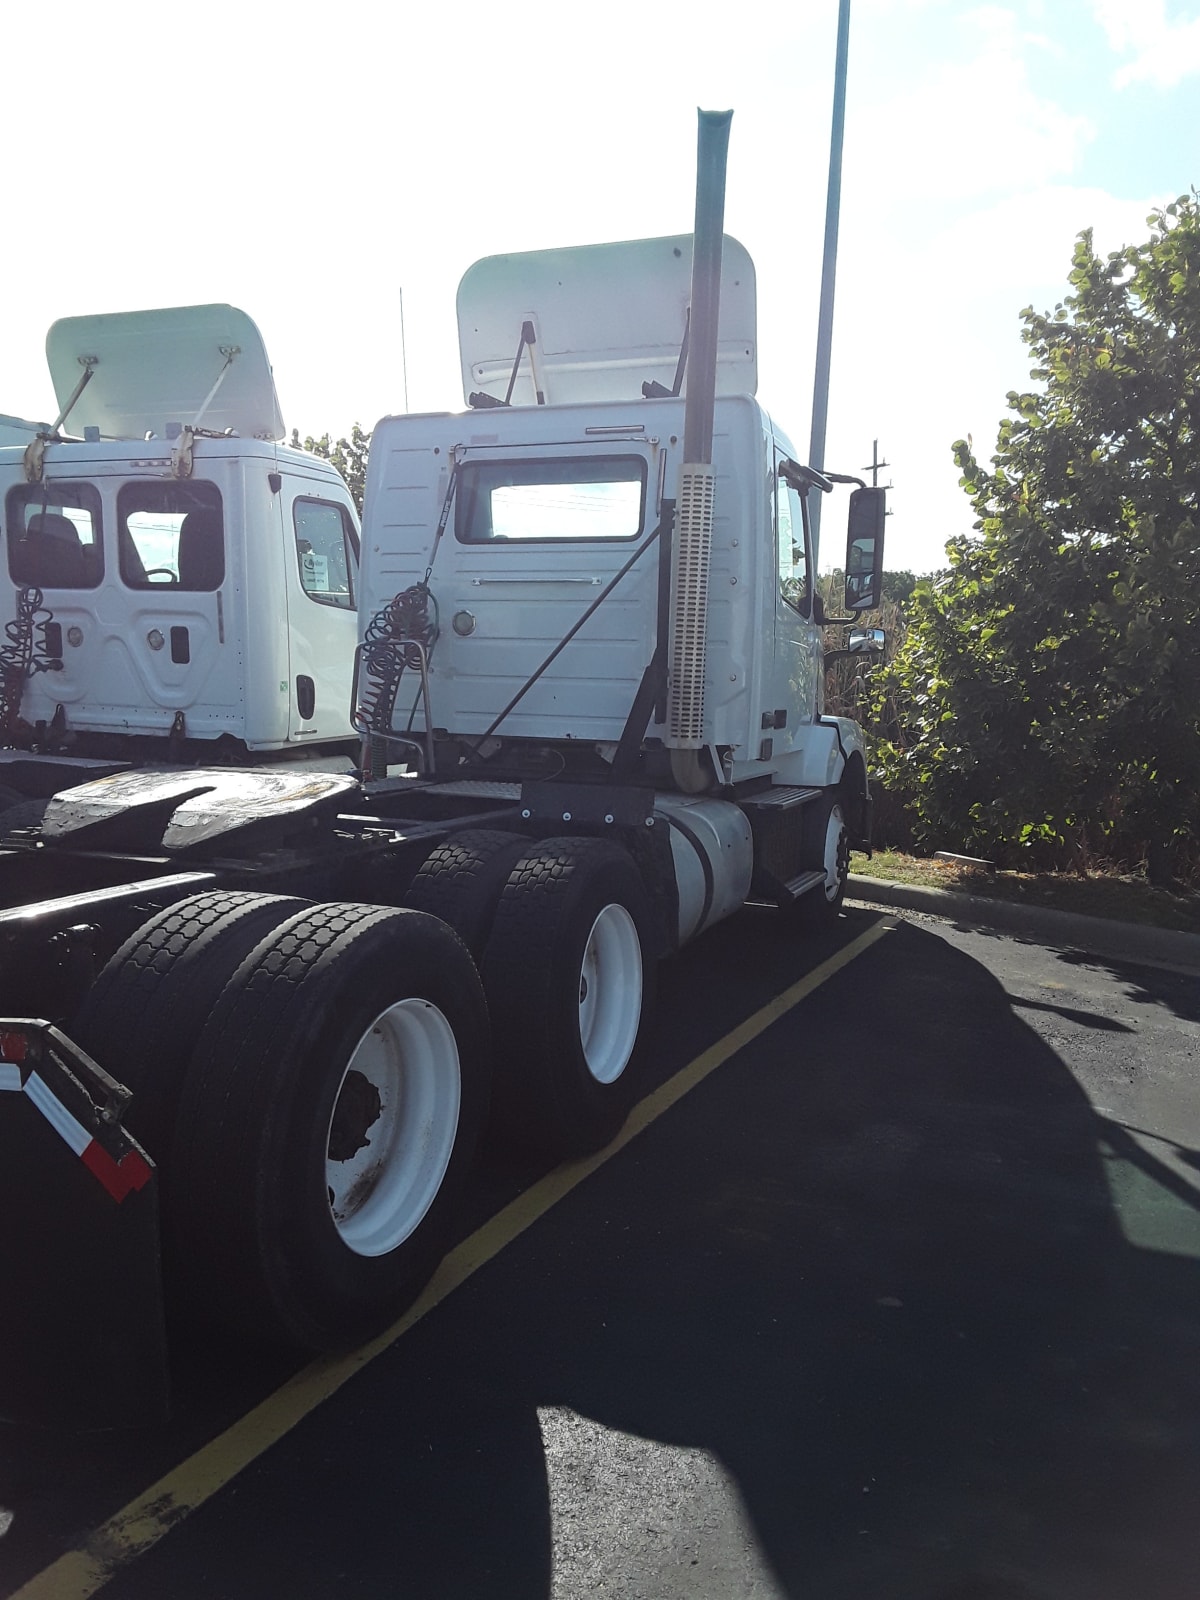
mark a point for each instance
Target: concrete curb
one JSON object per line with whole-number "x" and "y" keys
{"x": 1122, "y": 941}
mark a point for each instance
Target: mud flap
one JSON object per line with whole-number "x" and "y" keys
{"x": 82, "y": 1335}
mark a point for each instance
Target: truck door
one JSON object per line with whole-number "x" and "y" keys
{"x": 133, "y": 575}
{"x": 177, "y": 644}
{"x": 320, "y": 536}
{"x": 798, "y": 674}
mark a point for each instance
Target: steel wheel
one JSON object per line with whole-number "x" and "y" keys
{"x": 610, "y": 993}
{"x": 826, "y": 850}
{"x": 393, "y": 1128}
{"x": 327, "y": 1123}
{"x": 836, "y": 855}
{"x": 569, "y": 975}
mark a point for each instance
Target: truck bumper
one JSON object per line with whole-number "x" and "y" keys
{"x": 82, "y": 1337}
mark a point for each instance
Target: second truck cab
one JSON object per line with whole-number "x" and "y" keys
{"x": 180, "y": 584}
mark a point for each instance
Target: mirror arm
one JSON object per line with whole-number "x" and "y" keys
{"x": 803, "y": 478}
{"x": 841, "y": 655}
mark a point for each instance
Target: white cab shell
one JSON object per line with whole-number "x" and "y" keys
{"x": 606, "y": 318}
{"x": 518, "y": 599}
{"x": 248, "y": 641}
{"x": 151, "y": 368}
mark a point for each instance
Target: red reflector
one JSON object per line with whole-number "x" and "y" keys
{"x": 13, "y": 1046}
{"x": 119, "y": 1178}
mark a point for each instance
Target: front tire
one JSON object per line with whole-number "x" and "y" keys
{"x": 826, "y": 850}
{"x": 569, "y": 973}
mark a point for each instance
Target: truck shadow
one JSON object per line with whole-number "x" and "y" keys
{"x": 856, "y": 1319}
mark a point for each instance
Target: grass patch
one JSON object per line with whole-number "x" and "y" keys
{"x": 1123, "y": 897}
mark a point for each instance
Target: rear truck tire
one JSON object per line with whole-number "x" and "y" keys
{"x": 569, "y": 973}
{"x": 149, "y": 1003}
{"x": 327, "y": 1123}
{"x": 461, "y": 881}
{"x": 826, "y": 848}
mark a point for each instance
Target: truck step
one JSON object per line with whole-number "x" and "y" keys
{"x": 781, "y": 797}
{"x": 803, "y": 883}
{"x": 768, "y": 891}
{"x": 475, "y": 789}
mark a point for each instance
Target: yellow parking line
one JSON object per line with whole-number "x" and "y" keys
{"x": 79, "y": 1573}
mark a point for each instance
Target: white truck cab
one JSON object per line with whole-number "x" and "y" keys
{"x": 176, "y": 582}
{"x": 564, "y": 466}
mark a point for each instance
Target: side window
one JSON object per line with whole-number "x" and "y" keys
{"x": 53, "y": 535}
{"x": 171, "y": 535}
{"x": 792, "y": 546}
{"x": 326, "y": 550}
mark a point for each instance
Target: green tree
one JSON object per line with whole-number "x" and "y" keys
{"x": 897, "y": 587}
{"x": 349, "y": 456}
{"x": 1048, "y": 691}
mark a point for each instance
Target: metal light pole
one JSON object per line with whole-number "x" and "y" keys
{"x": 833, "y": 201}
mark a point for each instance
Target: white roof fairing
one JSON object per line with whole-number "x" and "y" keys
{"x": 19, "y": 430}
{"x": 608, "y": 317}
{"x": 156, "y": 367}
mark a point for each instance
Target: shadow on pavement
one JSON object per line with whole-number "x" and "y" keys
{"x": 1178, "y": 991}
{"x": 1086, "y": 1019}
{"x": 856, "y": 1321}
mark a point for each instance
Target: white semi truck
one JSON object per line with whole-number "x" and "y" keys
{"x": 285, "y": 1005}
{"x": 177, "y": 585}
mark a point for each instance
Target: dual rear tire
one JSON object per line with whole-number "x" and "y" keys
{"x": 562, "y": 931}
{"x": 314, "y": 1130}
{"x": 569, "y": 973}
{"x": 312, "y": 1080}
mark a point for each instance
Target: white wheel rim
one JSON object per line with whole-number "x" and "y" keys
{"x": 393, "y": 1127}
{"x": 837, "y": 853}
{"x": 610, "y": 993}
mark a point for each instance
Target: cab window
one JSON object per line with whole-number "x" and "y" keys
{"x": 52, "y": 531}
{"x": 792, "y": 546}
{"x": 327, "y": 552}
{"x": 171, "y": 535}
{"x": 563, "y": 498}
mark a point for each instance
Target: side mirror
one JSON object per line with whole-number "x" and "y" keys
{"x": 866, "y": 641}
{"x": 864, "y": 549}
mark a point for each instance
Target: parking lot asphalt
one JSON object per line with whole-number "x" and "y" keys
{"x": 900, "y": 1299}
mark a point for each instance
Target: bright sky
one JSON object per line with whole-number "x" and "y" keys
{"x": 308, "y": 164}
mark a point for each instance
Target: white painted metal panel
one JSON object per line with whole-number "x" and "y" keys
{"x": 321, "y": 637}
{"x": 157, "y": 367}
{"x": 523, "y": 598}
{"x": 114, "y": 679}
{"x": 16, "y": 430}
{"x": 607, "y": 318}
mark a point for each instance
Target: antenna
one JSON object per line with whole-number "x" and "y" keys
{"x": 403, "y": 352}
